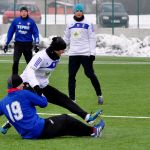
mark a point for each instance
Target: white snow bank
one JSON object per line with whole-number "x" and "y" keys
{"x": 106, "y": 44}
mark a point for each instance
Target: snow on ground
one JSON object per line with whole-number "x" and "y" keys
{"x": 109, "y": 45}
{"x": 106, "y": 45}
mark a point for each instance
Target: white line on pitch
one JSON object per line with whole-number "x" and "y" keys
{"x": 105, "y": 116}
{"x": 128, "y": 117}
{"x": 96, "y": 62}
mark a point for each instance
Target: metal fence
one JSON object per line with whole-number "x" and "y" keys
{"x": 105, "y": 13}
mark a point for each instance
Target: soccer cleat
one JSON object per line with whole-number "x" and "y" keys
{"x": 100, "y": 100}
{"x": 97, "y": 131}
{"x": 3, "y": 130}
{"x": 93, "y": 117}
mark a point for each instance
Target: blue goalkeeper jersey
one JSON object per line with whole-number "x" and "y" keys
{"x": 19, "y": 108}
{"x": 24, "y": 29}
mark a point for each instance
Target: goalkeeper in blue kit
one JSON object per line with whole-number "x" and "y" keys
{"x": 19, "y": 107}
{"x": 26, "y": 35}
{"x": 37, "y": 74}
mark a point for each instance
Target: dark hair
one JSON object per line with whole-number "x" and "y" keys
{"x": 14, "y": 81}
{"x": 24, "y": 8}
{"x": 57, "y": 44}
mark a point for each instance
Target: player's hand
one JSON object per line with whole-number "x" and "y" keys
{"x": 92, "y": 57}
{"x": 38, "y": 90}
{"x": 36, "y": 48}
{"x": 5, "y": 48}
{"x": 28, "y": 87}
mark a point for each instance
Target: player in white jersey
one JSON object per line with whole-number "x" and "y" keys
{"x": 80, "y": 35}
{"x": 37, "y": 74}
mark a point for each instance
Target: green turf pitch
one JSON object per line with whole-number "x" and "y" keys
{"x": 125, "y": 84}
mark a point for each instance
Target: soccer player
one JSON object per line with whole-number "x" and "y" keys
{"x": 24, "y": 28}
{"x": 37, "y": 74}
{"x": 19, "y": 107}
{"x": 80, "y": 35}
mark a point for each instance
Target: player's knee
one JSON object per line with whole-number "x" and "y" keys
{"x": 65, "y": 116}
{"x": 16, "y": 62}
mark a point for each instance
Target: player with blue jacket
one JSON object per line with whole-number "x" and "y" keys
{"x": 24, "y": 28}
{"x": 19, "y": 108}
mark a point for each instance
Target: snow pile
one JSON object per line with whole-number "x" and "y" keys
{"x": 111, "y": 45}
{"x": 106, "y": 45}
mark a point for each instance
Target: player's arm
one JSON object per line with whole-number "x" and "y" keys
{"x": 35, "y": 33}
{"x": 1, "y": 112}
{"x": 36, "y": 100}
{"x": 92, "y": 39}
{"x": 35, "y": 64}
{"x": 67, "y": 35}
{"x": 11, "y": 32}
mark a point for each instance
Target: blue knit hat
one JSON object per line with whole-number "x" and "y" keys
{"x": 78, "y": 7}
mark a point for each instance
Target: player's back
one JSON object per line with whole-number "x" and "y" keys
{"x": 21, "y": 113}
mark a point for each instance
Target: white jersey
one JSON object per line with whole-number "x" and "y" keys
{"x": 39, "y": 69}
{"x": 81, "y": 37}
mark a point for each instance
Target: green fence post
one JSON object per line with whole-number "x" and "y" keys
{"x": 15, "y": 1}
{"x": 138, "y": 12}
{"x": 45, "y": 19}
{"x": 97, "y": 12}
{"x": 55, "y": 10}
{"x": 112, "y": 17}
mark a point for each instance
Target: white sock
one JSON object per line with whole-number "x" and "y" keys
{"x": 87, "y": 117}
{"x": 100, "y": 96}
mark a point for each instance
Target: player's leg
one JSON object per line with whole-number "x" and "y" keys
{"x": 66, "y": 125}
{"x": 27, "y": 52}
{"x": 56, "y": 97}
{"x": 89, "y": 72}
{"x": 73, "y": 67}
{"x": 16, "y": 57}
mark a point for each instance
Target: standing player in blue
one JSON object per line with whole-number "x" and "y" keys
{"x": 19, "y": 107}
{"x": 80, "y": 35}
{"x": 37, "y": 74}
{"x": 24, "y": 28}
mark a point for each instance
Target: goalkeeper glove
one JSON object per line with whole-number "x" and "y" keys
{"x": 92, "y": 57}
{"x": 36, "y": 48}
{"x": 38, "y": 90}
{"x": 5, "y": 48}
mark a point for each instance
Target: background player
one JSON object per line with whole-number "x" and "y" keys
{"x": 24, "y": 28}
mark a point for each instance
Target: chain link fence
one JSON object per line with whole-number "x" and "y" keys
{"x": 132, "y": 14}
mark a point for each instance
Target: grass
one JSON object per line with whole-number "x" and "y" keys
{"x": 125, "y": 87}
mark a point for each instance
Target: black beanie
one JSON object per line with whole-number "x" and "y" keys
{"x": 57, "y": 44}
{"x": 14, "y": 81}
{"x": 24, "y": 8}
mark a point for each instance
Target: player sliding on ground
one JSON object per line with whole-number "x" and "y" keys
{"x": 37, "y": 74}
{"x": 19, "y": 108}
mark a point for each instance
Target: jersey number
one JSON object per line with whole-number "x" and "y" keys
{"x": 14, "y": 111}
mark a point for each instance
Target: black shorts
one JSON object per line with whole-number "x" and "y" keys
{"x": 53, "y": 126}
{"x": 62, "y": 125}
